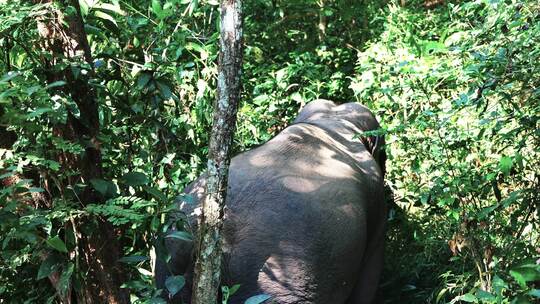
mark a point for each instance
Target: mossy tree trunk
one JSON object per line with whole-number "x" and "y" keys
{"x": 207, "y": 268}
{"x": 96, "y": 256}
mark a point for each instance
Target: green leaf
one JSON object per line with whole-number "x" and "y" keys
{"x": 505, "y": 164}
{"x": 83, "y": 5}
{"x": 164, "y": 89}
{"x": 261, "y": 99}
{"x": 195, "y": 47}
{"x": 257, "y": 299}
{"x": 525, "y": 273}
{"x": 110, "y": 7}
{"x": 157, "y": 9}
{"x": 51, "y": 264}
{"x": 519, "y": 278}
{"x": 484, "y": 295}
{"x": 174, "y": 284}
{"x": 181, "y": 235}
{"x": 156, "y": 193}
{"x": 56, "y": 243}
{"x": 193, "y": 6}
{"x": 100, "y": 185}
{"x": 485, "y": 212}
{"x": 92, "y": 30}
{"x": 135, "y": 179}
{"x": 38, "y": 112}
{"x": 534, "y": 293}
{"x": 65, "y": 279}
{"x": 469, "y": 298}
{"x": 499, "y": 285}
{"x": 234, "y": 289}
{"x": 105, "y": 16}
{"x": 433, "y": 47}
{"x": 10, "y": 75}
{"x": 55, "y": 84}
{"x": 133, "y": 259}
{"x": 228, "y": 292}
{"x": 143, "y": 80}
{"x": 106, "y": 188}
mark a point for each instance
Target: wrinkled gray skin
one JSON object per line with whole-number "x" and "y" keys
{"x": 305, "y": 216}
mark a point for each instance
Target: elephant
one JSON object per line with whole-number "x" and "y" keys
{"x": 305, "y": 216}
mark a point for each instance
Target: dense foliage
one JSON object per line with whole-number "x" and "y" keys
{"x": 456, "y": 87}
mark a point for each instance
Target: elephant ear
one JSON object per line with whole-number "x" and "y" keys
{"x": 375, "y": 146}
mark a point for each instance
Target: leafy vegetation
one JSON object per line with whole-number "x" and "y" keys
{"x": 456, "y": 87}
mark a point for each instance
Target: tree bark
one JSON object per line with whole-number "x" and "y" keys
{"x": 64, "y": 37}
{"x": 208, "y": 266}
{"x": 321, "y": 26}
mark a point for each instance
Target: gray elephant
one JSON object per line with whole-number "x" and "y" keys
{"x": 305, "y": 217}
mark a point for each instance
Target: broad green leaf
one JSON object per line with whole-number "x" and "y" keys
{"x": 143, "y": 80}
{"x": 257, "y": 299}
{"x": 100, "y": 185}
{"x": 174, "y": 284}
{"x": 51, "y": 264}
{"x": 56, "y": 243}
{"x": 106, "y": 188}
{"x": 135, "y": 179}
{"x": 526, "y": 273}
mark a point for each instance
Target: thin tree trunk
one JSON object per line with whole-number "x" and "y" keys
{"x": 64, "y": 36}
{"x": 322, "y": 21}
{"x": 208, "y": 266}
